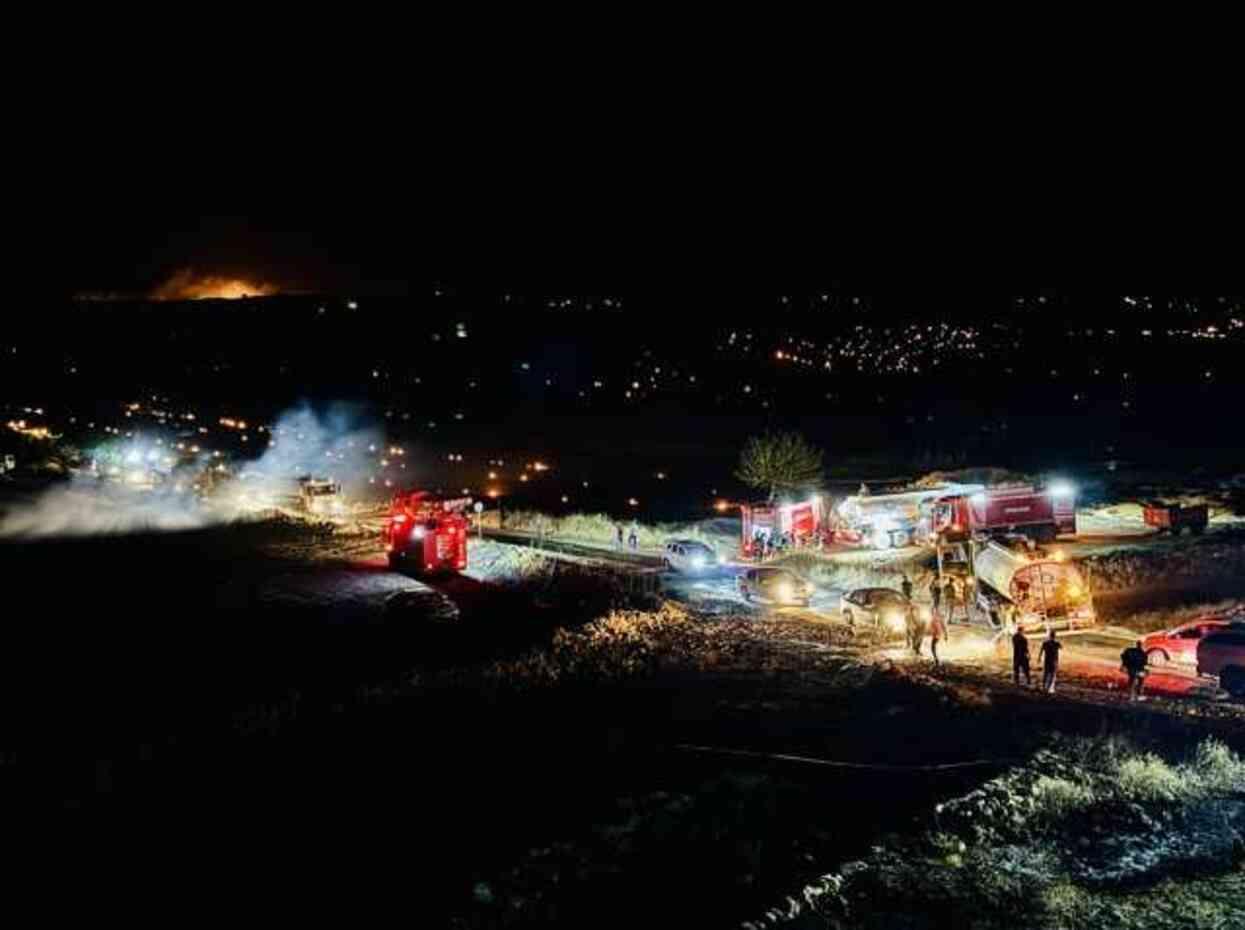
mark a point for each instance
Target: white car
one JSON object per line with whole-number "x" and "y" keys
{"x": 690, "y": 556}
{"x": 776, "y": 586}
{"x": 883, "y": 608}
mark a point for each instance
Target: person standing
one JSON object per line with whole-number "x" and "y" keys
{"x": 1020, "y": 657}
{"x": 937, "y": 633}
{"x": 618, "y": 541}
{"x": 1050, "y": 662}
{"x": 1133, "y": 660}
{"x": 916, "y": 629}
{"x": 634, "y": 539}
{"x": 906, "y": 587}
{"x": 935, "y": 592}
{"x": 952, "y": 595}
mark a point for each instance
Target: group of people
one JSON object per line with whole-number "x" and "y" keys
{"x": 633, "y": 537}
{"x": 955, "y": 591}
{"x": 768, "y": 545}
{"x": 1049, "y": 651}
{"x": 1133, "y": 662}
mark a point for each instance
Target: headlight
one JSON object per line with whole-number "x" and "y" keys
{"x": 895, "y": 621}
{"x": 418, "y": 532}
{"x": 783, "y": 591}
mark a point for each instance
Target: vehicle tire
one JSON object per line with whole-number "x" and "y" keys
{"x": 1232, "y": 680}
{"x": 395, "y": 561}
{"x": 1157, "y": 658}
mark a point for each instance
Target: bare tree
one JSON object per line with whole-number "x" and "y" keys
{"x": 779, "y": 462}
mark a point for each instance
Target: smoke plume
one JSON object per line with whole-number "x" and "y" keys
{"x": 334, "y": 444}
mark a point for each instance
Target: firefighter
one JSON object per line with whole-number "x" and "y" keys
{"x": 1020, "y": 657}
{"x": 1133, "y": 661}
{"x": 906, "y": 585}
{"x": 1050, "y": 662}
{"x": 937, "y": 632}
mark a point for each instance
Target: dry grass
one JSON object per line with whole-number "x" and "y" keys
{"x": 1130, "y": 569}
{"x": 1163, "y": 618}
{"x": 601, "y": 529}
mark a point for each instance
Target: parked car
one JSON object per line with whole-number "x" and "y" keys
{"x": 689, "y": 555}
{"x": 778, "y": 586}
{"x": 882, "y": 607}
{"x": 1222, "y": 655}
{"x": 1178, "y": 646}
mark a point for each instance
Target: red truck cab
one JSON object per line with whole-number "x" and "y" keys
{"x": 426, "y": 534}
{"x": 1041, "y": 514}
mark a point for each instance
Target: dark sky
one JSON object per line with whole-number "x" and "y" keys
{"x": 370, "y": 213}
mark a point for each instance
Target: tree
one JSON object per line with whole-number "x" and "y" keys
{"x": 779, "y": 462}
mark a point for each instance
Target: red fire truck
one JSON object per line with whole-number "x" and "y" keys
{"x": 426, "y": 534}
{"x": 1041, "y": 514}
{"x": 803, "y": 520}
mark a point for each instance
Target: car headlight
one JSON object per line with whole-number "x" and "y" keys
{"x": 783, "y": 591}
{"x": 418, "y": 532}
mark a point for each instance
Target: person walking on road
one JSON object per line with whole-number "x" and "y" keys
{"x": 633, "y": 540}
{"x": 935, "y": 592}
{"x": 937, "y": 633}
{"x": 618, "y": 541}
{"x": 916, "y": 629}
{"x": 1133, "y": 660}
{"x": 1020, "y": 657}
{"x": 1050, "y": 662}
{"x": 906, "y": 587}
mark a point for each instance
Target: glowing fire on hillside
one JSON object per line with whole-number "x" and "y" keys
{"x": 188, "y": 284}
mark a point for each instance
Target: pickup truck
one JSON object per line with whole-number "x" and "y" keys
{"x": 1222, "y": 655}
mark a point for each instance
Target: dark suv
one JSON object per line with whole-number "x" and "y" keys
{"x": 1222, "y": 654}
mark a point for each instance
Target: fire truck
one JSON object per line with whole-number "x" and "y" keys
{"x": 891, "y": 521}
{"x": 803, "y": 520}
{"x": 1042, "y": 514}
{"x": 426, "y": 534}
{"x": 1040, "y": 589}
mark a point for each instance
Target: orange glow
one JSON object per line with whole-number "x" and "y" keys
{"x": 188, "y": 284}
{"x": 494, "y": 493}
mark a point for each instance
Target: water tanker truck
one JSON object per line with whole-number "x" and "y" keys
{"x": 1040, "y": 590}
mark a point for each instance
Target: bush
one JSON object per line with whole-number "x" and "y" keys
{"x": 1148, "y": 778}
{"x": 1218, "y": 769}
{"x": 1061, "y": 797}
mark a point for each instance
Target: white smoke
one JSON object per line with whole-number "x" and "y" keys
{"x": 332, "y": 445}
{"x": 87, "y": 506}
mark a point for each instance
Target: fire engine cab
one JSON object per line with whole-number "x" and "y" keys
{"x": 426, "y": 534}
